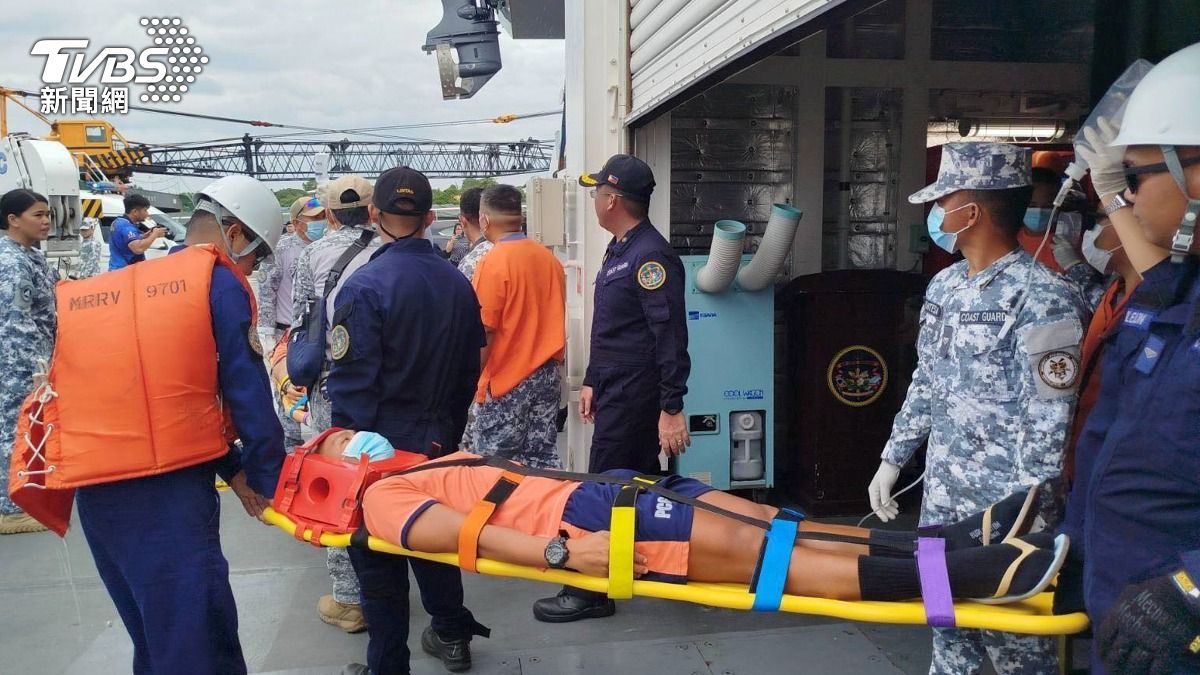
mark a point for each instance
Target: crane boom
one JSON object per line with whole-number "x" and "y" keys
{"x": 293, "y": 160}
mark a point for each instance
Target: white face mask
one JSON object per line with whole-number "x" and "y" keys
{"x": 1096, "y": 256}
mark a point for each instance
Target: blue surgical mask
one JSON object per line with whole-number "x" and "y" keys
{"x": 1037, "y": 218}
{"x": 947, "y": 241}
{"x": 315, "y": 229}
{"x": 373, "y": 445}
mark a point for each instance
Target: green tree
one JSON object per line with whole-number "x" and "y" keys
{"x": 469, "y": 183}
{"x": 309, "y": 185}
{"x": 447, "y": 196}
{"x": 288, "y": 195}
{"x": 185, "y": 201}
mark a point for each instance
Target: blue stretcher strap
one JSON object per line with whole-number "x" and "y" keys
{"x": 300, "y": 403}
{"x": 771, "y": 575}
{"x": 935, "y": 582}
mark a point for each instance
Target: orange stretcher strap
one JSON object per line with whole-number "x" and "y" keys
{"x": 468, "y": 534}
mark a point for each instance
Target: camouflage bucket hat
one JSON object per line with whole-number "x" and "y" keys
{"x": 977, "y": 166}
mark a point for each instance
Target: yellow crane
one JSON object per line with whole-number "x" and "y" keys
{"x": 98, "y": 148}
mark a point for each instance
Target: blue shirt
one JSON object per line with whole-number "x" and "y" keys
{"x": 244, "y": 386}
{"x": 640, "y": 319}
{"x": 1135, "y": 505}
{"x": 405, "y": 345}
{"x": 123, "y": 232}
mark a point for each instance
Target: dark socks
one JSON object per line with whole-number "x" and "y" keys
{"x": 974, "y": 572}
{"x": 966, "y": 533}
{"x": 892, "y": 543}
{"x": 888, "y": 579}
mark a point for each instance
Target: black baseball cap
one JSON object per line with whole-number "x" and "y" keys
{"x": 403, "y": 192}
{"x": 626, "y": 174}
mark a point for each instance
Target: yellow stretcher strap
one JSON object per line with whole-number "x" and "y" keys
{"x": 621, "y": 531}
{"x": 1032, "y": 617}
{"x": 472, "y": 527}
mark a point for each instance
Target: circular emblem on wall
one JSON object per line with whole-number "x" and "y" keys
{"x": 1058, "y": 370}
{"x": 857, "y": 376}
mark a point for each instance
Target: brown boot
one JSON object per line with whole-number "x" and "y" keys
{"x": 19, "y": 523}
{"x": 346, "y": 616}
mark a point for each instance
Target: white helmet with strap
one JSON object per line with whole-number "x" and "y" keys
{"x": 250, "y": 202}
{"x": 1162, "y": 111}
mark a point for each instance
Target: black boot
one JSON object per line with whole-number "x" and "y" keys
{"x": 455, "y": 654}
{"x": 572, "y": 604}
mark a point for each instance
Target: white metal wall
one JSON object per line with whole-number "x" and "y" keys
{"x": 673, "y": 43}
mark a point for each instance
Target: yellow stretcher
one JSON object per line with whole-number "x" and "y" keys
{"x": 1032, "y": 617}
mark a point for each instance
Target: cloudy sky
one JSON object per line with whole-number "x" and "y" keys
{"x": 304, "y": 62}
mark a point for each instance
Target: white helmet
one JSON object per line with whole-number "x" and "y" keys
{"x": 250, "y": 202}
{"x": 1163, "y": 107}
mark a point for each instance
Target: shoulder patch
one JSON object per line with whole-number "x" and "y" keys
{"x": 1059, "y": 369}
{"x": 255, "y": 343}
{"x": 339, "y": 342}
{"x": 652, "y": 275}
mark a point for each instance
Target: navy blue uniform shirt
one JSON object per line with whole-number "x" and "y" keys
{"x": 1135, "y": 505}
{"x": 405, "y": 344}
{"x": 245, "y": 389}
{"x": 640, "y": 318}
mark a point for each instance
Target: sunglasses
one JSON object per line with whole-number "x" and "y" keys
{"x": 1132, "y": 173}
{"x": 593, "y": 193}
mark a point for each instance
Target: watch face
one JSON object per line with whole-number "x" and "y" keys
{"x": 556, "y": 553}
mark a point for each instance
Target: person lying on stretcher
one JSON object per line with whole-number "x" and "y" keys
{"x": 424, "y": 509}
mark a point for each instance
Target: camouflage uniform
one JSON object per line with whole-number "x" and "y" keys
{"x": 312, "y": 268}
{"x": 275, "y": 308}
{"x": 520, "y": 425}
{"x": 468, "y": 264}
{"x": 467, "y": 267}
{"x": 89, "y": 257}
{"x": 27, "y": 322}
{"x": 1090, "y": 283}
{"x": 993, "y": 393}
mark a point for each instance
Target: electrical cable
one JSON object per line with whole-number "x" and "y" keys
{"x": 893, "y": 498}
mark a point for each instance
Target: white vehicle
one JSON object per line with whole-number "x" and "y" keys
{"x": 46, "y": 167}
{"x": 113, "y": 207}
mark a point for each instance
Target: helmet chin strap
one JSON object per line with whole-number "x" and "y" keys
{"x": 216, "y": 209}
{"x": 1181, "y": 243}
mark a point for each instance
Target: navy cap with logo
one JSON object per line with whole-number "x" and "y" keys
{"x": 403, "y": 192}
{"x": 626, "y": 174}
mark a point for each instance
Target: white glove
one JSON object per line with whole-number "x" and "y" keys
{"x": 880, "y": 491}
{"x": 1065, "y": 253}
{"x": 1104, "y": 162}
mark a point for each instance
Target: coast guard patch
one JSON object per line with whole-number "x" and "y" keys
{"x": 255, "y": 343}
{"x": 1058, "y": 370}
{"x": 651, "y": 275}
{"x": 339, "y": 342}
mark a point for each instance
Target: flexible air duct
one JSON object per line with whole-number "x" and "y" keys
{"x": 776, "y": 241}
{"x": 723, "y": 258}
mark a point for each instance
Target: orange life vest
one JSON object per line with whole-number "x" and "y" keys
{"x": 132, "y": 389}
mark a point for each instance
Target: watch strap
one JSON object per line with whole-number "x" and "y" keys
{"x": 1118, "y": 202}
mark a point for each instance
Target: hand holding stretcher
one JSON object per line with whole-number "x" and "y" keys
{"x": 720, "y": 550}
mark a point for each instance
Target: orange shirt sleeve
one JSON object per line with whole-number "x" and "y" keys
{"x": 491, "y": 287}
{"x": 390, "y": 506}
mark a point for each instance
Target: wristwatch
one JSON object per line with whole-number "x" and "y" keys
{"x": 556, "y": 553}
{"x": 1118, "y": 202}
{"x": 672, "y": 411}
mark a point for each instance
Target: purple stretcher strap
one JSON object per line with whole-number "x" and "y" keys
{"x": 935, "y": 582}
